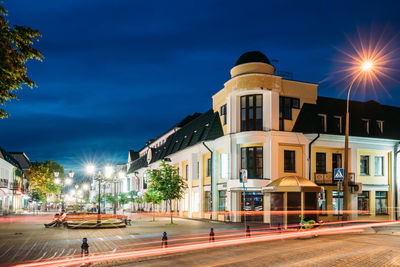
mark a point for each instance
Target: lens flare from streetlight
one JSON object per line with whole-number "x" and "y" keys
{"x": 108, "y": 171}
{"x": 90, "y": 169}
{"x": 369, "y": 61}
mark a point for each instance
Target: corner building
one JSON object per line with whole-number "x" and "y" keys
{"x": 288, "y": 139}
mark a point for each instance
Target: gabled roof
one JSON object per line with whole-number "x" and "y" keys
{"x": 10, "y": 159}
{"x": 307, "y": 121}
{"x": 205, "y": 127}
{"x": 22, "y": 159}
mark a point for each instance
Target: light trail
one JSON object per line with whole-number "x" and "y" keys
{"x": 125, "y": 255}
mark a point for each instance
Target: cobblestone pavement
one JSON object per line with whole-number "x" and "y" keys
{"x": 24, "y": 238}
{"x": 370, "y": 248}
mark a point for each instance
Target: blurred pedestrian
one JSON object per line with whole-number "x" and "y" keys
{"x": 164, "y": 240}
{"x": 212, "y": 235}
{"x": 248, "y": 231}
{"x": 85, "y": 247}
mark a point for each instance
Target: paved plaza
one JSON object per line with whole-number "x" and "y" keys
{"x": 24, "y": 238}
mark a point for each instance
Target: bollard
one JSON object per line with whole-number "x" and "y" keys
{"x": 248, "y": 231}
{"x": 212, "y": 235}
{"x": 164, "y": 240}
{"x": 84, "y": 247}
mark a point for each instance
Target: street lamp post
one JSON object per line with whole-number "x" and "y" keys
{"x": 63, "y": 181}
{"x": 365, "y": 67}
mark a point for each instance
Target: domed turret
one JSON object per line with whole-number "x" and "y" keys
{"x": 252, "y": 62}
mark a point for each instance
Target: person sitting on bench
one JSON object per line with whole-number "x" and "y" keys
{"x": 58, "y": 220}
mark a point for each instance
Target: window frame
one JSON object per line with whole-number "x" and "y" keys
{"x": 341, "y": 161}
{"x": 223, "y": 113}
{"x": 257, "y": 171}
{"x": 251, "y": 122}
{"x": 320, "y": 115}
{"x": 382, "y": 165}
{"x": 292, "y": 170}
{"x": 367, "y": 173}
{"x": 208, "y": 174}
{"x": 366, "y": 125}
{"x": 380, "y": 125}
{"x": 369, "y": 203}
{"x": 380, "y": 198}
{"x": 340, "y": 123}
{"x": 323, "y": 170}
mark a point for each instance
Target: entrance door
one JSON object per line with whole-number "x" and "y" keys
{"x": 277, "y": 206}
{"x": 253, "y": 206}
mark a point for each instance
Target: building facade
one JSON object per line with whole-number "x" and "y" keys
{"x": 288, "y": 140}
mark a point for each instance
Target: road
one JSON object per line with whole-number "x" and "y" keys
{"x": 23, "y": 239}
{"x": 362, "y": 249}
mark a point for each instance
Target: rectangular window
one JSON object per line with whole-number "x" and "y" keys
{"x": 198, "y": 170}
{"x": 364, "y": 165}
{"x": 381, "y": 201}
{"x": 380, "y": 126}
{"x": 224, "y": 166}
{"x": 363, "y": 203}
{"x": 221, "y": 200}
{"x": 187, "y": 171}
{"x": 207, "y": 201}
{"x": 379, "y": 166}
{"x": 289, "y": 161}
{"x": 338, "y": 124}
{"x": 365, "y": 123}
{"x": 337, "y": 202}
{"x": 128, "y": 183}
{"x": 252, "y": 160}
{"x": 336, "y": 161}
{"x": 322, "y": 123}
{"x": 223, "y": 114}
{"x": 208, "y": 167}
{"x": 251, "y": 113}
{"x": 322, "y": 203}
{"x": 320, "y": 162}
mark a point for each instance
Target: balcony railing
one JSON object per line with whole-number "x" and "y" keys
{"x": 327, "y": 178}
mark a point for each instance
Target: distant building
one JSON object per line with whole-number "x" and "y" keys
{"x": 289, "y": 140}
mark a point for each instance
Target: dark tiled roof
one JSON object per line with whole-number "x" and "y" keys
{"x": 22, "y": 159}
{"x": 138, "y": 164}
{"x": 10, "y": 159}
{"x": 307, "y": 121}
{"x": 180, "y": 124}
{"x": 205, "y": 127}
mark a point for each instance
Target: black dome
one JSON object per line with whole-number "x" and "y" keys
{"x": 252, "y": 56}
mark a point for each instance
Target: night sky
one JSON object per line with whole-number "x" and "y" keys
{"x": 117, "y": 73}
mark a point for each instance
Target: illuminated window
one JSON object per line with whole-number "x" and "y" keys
{"x": 221, "y": 200}
{"x": 381, "y": 200}
{"x": 209, "y": 167}
{"x": 187, "y": 171}
{"x": 363, "y": 202}
{"x": 379, "y": 166}
{"x": 337, "y": 202}
{"x": 224, "y": 166}
{"x": 322, "y": 203}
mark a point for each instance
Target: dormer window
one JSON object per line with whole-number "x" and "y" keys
{"x": 338, "y": 123}
{"x": 322, "y": 123}
{"x": 380, "y": 126}
{"x": 223, "y": 114}
{"x": 366, "y": 125}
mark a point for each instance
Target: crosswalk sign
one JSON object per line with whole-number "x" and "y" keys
{"x": 338, "y": 174}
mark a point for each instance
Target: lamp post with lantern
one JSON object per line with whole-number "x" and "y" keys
{"x": 63, "y": 181}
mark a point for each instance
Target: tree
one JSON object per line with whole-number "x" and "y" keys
{"x": 167, "y": 182}
{"x": 15, "y": 50}
{"x": 139, "y": 200}
{"x": 131, "y": 195}
{"x": 153, "y": 197}
{"x": 41, "y": 178}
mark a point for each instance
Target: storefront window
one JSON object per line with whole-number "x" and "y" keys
{"x": 363, "y": 203}
{"x": 381, "y": 203}
{"x": 207, "y": 201}
{"x": 379, "y": 166}
{"x": 337, "y": 202}
{"x": 221, "y": 200}
{"x": 322, "y": 203}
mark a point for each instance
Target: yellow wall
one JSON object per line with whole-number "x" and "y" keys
{"x": 307, "y": 92}
{"x": 329, "y": 151}
{"x": 372, "y": 178}
{"x": 206, "y": 179}
{"x": 299, "y": 159}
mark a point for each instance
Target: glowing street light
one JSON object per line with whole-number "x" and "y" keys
{"x": 90, "y": 169}
{"x": 108, "y": 171}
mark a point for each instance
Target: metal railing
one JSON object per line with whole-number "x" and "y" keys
{"x": 327, "y": 178}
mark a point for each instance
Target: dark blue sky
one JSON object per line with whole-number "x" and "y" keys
{"x": 117, "y": 73}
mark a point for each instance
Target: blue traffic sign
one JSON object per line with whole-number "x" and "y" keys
{"x": 338, "y": 174}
